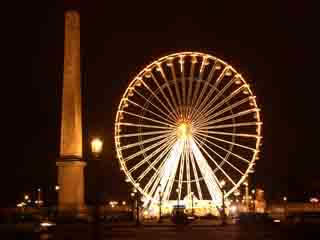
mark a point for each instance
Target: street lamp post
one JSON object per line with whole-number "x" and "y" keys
{"x": 285, "y": 207}
{"x": 136, "y": 198}
{"x": 96, "y": 149}
{"x": 222, "y": 184}
{"x": 253, "y": 191}
{"x": 192, "y": 211}
{"x": 138, "y": 214}
{"x": 177, "y": 190}
{"x": 132, "y": 205}
{"x": 39, "y": 201}
{"x": 160, "y": 203}
{"x": 247, "y": 195}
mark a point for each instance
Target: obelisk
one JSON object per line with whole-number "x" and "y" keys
{"x": 70, "y": 164}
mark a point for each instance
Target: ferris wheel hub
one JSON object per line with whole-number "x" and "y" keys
{"x": 184, "y": 130}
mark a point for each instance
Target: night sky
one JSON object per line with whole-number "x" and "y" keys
{"x": 274, "y": 46}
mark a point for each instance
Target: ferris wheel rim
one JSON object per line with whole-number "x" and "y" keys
{"x": 161, "y": 61}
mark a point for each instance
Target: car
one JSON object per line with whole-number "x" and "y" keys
{"x": 44, "y": 226}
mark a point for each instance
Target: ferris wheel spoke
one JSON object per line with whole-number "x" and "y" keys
{"x": 132, "y": 156}
{"x": 174, "y": 77}
{"x": 144, "y": 141}
{"x": 151, "y": 155}
{"x": 233, "y": 116}
{"x": 159, "y": 68}
{"x": 202, "y": 161}
{"x": 152, "y": 165}
{"x": 154, "y": 184}
{"x": 219, "y": 94}
{"x": 154, "y": 178}
{"x": 141, "y": 125}
{"x": 232, "y": 125}
{"x": 196, "y": 147}
{"x": 148, "y": 110}
{"x": 159, "y": 180}
{"x": 217, "y": 154}
{"x": 195, "y": 172}
{"x": 149, "y": 119}
{"x": 233, "y": 154}
{"x": 205, "y": 86}
{"x": 165, "y": 96}
{"x": 170, "y": 169}
{"x": 162, "y": 173}
{"x": 169, "y": 186}
{"x": 214, "y": 87}
{"x": 195, "y": 99}
{"x": 231, "y": 134}
{"x": 143, "y": 134}
{"x": 225, "y": 141}
{"x": 226, "y": 99}
{"x": 156, "y": 97}
{"x": 186, "y": 152}
{"x": 194, "y": 95}
{"x": 181, "y": 170}
{"x": 191, "y": 79}
{"x": 230, "y": 107}
{"x": 207, "y": 173}
{"x": 181, "y": 61}
{"x": 172, "y": 118}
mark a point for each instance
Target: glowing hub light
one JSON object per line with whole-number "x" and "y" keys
{"x": 184, "y": 131}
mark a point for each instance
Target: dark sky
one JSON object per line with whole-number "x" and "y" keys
{"x": 274, "y": 46}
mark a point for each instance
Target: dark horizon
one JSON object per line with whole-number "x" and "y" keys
{"x": 273, "y": 46}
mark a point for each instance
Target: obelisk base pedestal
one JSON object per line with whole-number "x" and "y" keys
{"x": 71, "y": 192}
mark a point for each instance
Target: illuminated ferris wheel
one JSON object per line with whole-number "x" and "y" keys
{"x": 187, "y": 122}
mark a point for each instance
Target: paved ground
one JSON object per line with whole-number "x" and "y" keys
{"x": 169, "y": 231}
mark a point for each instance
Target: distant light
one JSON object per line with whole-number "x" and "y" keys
{"x": 26, "y": 197}
{"x": 123, "y": 202}
{"x": 285, "y": 198}
{"x": 57, "y": 187}
{"x": 276, "y": 220}
{"x": 222, "y": 183}
{"x": 39, "y": 190}
{"x": 20, "y": 204}
{"x": 314, "y": 200}
{"x": 233, "y": 209}
{"x": 47, "y": 224}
